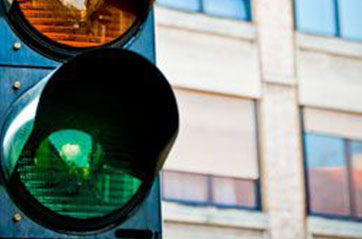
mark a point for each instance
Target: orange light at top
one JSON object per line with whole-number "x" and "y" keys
{"x": 81, "y": 23}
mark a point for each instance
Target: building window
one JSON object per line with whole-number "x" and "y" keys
{"x": 215, "y": 159}
{"x": 234, "y": 9}
{"x": 208, "y": 190}
{"x": 340, "y": 18}
{"x": 333, "y": 158}
{"x": 327, "y": 175}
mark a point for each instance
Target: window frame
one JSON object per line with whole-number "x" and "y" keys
{"x": 352, "y": 215}
{"x": 210, "y": 202}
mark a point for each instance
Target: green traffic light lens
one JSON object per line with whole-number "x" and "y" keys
{"x": 70, "y": 174}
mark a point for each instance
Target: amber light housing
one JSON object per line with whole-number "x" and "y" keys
{"x": 64, "y": 27}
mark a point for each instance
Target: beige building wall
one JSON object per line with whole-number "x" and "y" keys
{"x": 268, "y": 62}
{"x": 330, "y": 72}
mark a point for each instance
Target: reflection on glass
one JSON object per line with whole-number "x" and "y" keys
{"x": 185, "y": 187}
{"x": 237, "y": 9}
{"x": 69, "y": 174}
{"x": 350, "y": 19}
{"x": 234, "y": 192}
{"x": 234, "y": 9}
{"x": 356, "y": 160}
{"x": 81, "y": 23}
{"x": 209, "y": 190}
{"x": 187, "y": 5}
{"x": 316, "y": 17}
{"x": 327, "y": 175}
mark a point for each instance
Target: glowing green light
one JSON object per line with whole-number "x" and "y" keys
{"x": 70, "y": 175}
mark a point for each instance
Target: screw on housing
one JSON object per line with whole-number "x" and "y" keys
{"x": 17, "y": 217}
{"x": 17, "y": 46}
{"x": 16, "y": 85}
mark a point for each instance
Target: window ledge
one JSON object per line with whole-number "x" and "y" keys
{"x": 330, "y": 45}
{"x": 324, "y": 227}
{"x": 235, "y": 218}
{"x": 205, "y": 24}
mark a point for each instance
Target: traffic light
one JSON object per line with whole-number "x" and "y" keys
{"x": 86, "y": 121}
{"x": 62, "y": 28}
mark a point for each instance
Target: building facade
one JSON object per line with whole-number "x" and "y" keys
{"x": 270, "y": 96}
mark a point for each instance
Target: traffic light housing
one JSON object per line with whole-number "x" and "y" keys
{"x": 81, "y": 145}
{"x": 85, "y": 144}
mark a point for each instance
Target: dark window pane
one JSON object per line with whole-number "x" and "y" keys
{"x": 327, "y": 175}
{"x": 351, "y": 18}
{"x": 185, "y": 186}
{"x": 356, "y": 157}
{"x": 238, "y": 9}
{"x": 188, "y": 5}
{"x": 316, "y": 16}
{"x": 234, "y": 192}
